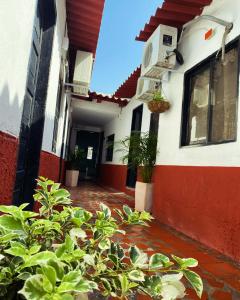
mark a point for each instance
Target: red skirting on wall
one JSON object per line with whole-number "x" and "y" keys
{"x": 202, "y": 202}
{"x": 8, "y": 160}
{"x": 114, "y": 176}
{"x": 50, "y": 166}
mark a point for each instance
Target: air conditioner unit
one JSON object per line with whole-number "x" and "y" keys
{"x": 158, "y": 55}
{"x": 146, "y": 88}
{"x": 82, "y": 72}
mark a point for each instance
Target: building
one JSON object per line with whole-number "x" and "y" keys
{"x": 196, "y": 186}
{"x": 35, "y": 118}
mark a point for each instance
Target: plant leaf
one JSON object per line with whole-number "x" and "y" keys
{"x": 185, "y": 262}
{"x": 138, "y": 258}
{"x": 89, "y": 259}
{"x": 136, "y": 275}
{"x": 33, "y": 289}
{"x": 106, "y": 211}
{"x": 9, "y": 223}
{"x": 39, "y": 259}
{"x": 127, "y": 210}
{"x": 158, "y": 260}
{"x": 77, "y": 233}
{"x": 104, "y": 244}
{"x": 124, "y": 283}
{"x": 195, "y": 280}
{"x": 50, "y": 273}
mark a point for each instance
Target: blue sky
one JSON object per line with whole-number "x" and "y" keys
{"x": 118, "y": 53}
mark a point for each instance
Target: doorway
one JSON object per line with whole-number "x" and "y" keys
{"x": 33, "y": 116}
{"x": 90, "y": 142}
{"x": 136, "y": 126}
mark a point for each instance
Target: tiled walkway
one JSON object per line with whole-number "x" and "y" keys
{"x": 221, "y": 277}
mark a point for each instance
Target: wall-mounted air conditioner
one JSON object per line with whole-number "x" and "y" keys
{"x": 82, "y": 73}
{"x": 158, "y": 52}
{"x": 146, "y": 88}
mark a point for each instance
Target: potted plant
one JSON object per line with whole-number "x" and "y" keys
{"x": 139, "y": 150}
{"x": 69, "y": 253}
{"x": 158, "y": 104}
{"x": 73, "y": 166}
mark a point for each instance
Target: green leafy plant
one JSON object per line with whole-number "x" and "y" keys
{"x": 75, "y": 158}
{"x": 64, "y": 252}
{"x": 157, "y": 96}
{"x": 140, "y": 150}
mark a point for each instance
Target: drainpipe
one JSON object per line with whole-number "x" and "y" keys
{"x": 228, "y": 27}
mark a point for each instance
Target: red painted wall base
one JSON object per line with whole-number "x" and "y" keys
{"x": 50, "y": 167}
{"x": 8, "y": 159}
{"x": 114, "y": 176}
{"x": 202, "y": 202}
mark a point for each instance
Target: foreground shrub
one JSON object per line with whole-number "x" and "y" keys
{"x": 63, "y": 252}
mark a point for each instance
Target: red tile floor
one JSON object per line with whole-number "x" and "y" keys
{"x": 221, "y": 277}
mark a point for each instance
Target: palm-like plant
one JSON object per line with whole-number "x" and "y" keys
{"x": 140, "y": 150}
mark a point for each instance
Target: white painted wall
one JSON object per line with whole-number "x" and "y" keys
{"x": 195, "y": 49}
{"x": 16, "y": 26}
{"x": 121, "y": 127}
{"x": 16, "y": 23}
{"x": 53, "y": 84}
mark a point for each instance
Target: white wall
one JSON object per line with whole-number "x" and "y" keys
{"x": 195, "y": 49}
{"x": 16, "y": 24}
{"x": 121, "y": 127}
{"x": 53, "y": 84}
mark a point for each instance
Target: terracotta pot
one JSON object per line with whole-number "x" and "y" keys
{"x": 143, "y": 196}
{"x": 72, "y": 178}
{"x": 158, "y": 106}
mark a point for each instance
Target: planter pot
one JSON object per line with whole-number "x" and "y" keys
{"x": 158, "y": 106}
{"x": 143, "y": 196}
{"x": 72, "y": 178}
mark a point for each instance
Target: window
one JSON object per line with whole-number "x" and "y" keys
{"x": 210, "y": 101}
{"x": 110, "y": 145}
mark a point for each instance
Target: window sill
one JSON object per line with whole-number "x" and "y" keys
{"x": 209, "y": 144}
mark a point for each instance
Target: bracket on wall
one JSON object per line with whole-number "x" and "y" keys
{"x": 165, "y": 77}
{"x": 228, "y": 27}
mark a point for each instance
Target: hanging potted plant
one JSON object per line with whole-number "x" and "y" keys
{"x": 140, "y": 150}
{"x": 73, "y": 166}
{"x": 159, "y": 104}
{"x": 72, "y": 254}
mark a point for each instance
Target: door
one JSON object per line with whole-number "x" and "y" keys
{"x": 89, "y": 141}
{"x": 32, "y": 123}
{"x": 136, "y": 126}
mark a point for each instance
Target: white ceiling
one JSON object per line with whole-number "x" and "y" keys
{"x": 92, "y": 113}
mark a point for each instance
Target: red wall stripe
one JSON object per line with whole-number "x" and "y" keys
{"x": 202, "y": 202}
{"x": 50, "y": 166}
{"x": 114, "y": 176}
{"x": 8, "y": 159}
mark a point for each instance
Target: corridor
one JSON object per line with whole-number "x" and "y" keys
{"x": 221, "y": 277}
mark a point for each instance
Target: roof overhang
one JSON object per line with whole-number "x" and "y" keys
{"x": 129, "y": 86}
{"x": 99, "y": 98}
{"x": 173, "y": 13}
{"x": 84, "y": 22}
